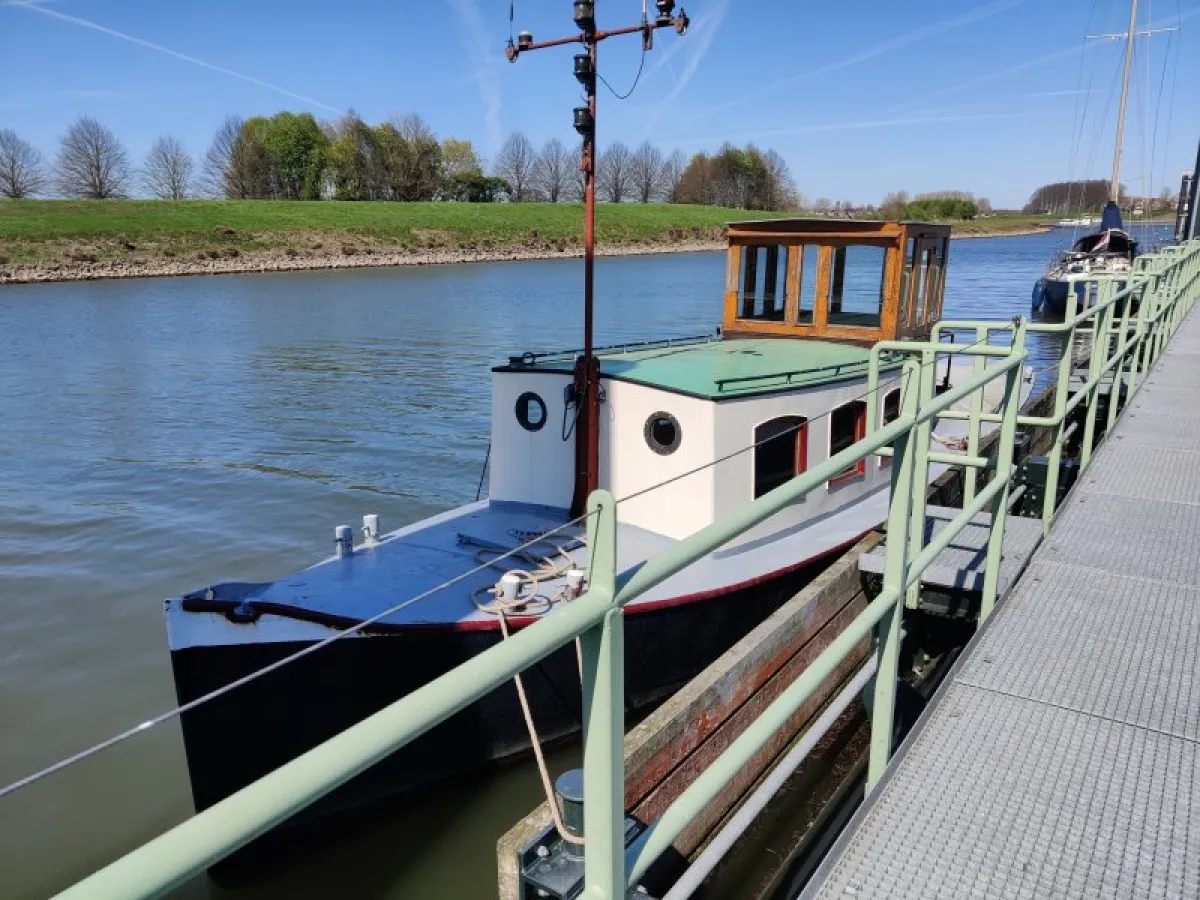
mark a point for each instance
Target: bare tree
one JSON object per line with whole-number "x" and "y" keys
{"x": 647, "y": 172}
{"x": 216, "y": 175}
{"x": 515, "y": 164}
{"x": 22, "y": 173}
{"x": 779, "y": 190}
{"x": 672, "y": 169}
{"x": 552, "y": 170}
{"x": 168, "y": 169}
{"x": 613, "y": 173}
{"x": 92, "y": 164}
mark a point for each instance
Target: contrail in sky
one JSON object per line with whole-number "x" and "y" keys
{"x": 707, "y": 28}
{"x": 895, "y": 43}
{"x": 477, "y": 41}
{"x": 112, "y": 32}
{"x": 854, "y": 126}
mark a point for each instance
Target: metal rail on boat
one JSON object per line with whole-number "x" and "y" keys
{"x": 1166, "y": 285}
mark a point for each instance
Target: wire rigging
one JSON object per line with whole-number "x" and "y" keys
{"x": 632, "y": 87}
{"x": 519, "y": 552}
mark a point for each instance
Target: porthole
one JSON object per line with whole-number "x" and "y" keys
{"x": 531, "y": 411}
{"x": 663, "y": 433}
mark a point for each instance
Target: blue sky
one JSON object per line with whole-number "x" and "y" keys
{"x": 861, "y": 96}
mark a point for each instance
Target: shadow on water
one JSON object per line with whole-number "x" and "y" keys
{"x": 164, "y": 434}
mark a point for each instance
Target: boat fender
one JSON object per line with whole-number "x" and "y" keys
{"x": 1039, "y": 294}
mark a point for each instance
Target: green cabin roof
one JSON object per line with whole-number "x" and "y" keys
{"x": 721, "y": 369}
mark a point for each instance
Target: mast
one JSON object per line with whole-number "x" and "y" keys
{"x": 1114, "y": 189}
{"x": 586, "y": 385}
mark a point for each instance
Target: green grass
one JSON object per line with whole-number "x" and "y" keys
{"x": 38, "y": 228}
{"x": 68, "y": 232}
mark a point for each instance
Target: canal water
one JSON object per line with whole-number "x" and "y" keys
{"x": 159, "y": 435}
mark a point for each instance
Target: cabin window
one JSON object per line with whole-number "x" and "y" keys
{"x": 891, "y": 412}
{"x": 531, "y": 411}
{"x": 764, "y": 282}
{"x": 847, "y": 426}
{"x": 905, "y": 288}
{"x": 857, "y": 285}
{"x": 807, "y": 301}
{"x": 923, "y": 287}
{"x": 663, "y": 433}
{"x": 780, "y": 452}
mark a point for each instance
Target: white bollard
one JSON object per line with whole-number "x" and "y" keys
{"x": 343, "y": 541}
{"x": 371, "y": 528}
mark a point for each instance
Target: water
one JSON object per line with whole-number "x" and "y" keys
{"x": 157, "y": 435}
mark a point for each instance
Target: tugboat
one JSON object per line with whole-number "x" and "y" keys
{"x": 688, "y": 431}
{"x": 1109, "y": 251}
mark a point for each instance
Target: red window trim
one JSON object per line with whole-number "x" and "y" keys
{"x": 801, "y": 460}
{"x": 859, "y": 469}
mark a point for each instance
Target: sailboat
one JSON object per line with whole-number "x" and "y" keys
{"x": 1110, "y": 250}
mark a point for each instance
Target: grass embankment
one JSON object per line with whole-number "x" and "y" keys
{"x": 51, "y": 230}
{"x": 57, "y": 239}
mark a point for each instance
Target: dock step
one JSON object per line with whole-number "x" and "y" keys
{"x": 960, "y": 566}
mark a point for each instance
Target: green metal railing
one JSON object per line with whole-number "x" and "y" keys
{"x": 1127, "y": 330}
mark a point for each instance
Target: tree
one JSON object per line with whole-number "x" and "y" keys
{"x": 613, "y": 171}
{"x": 779, "y": 190}
{"x": 412, "y": 158}
{"x": 216, "y": 168}
{"x": 894, "y": 205}
{"x": 459, "y": 158}
{"x": 1070, "y": 197}
{"x": 168, "y": 169}
{"x": 354, "y": 164}
{"x": 92, "y": 164}
{"x": 646, "y": 172}
{"x": 297, "y": 150}
{"x": 474, "y": 187}
{"x": 515, "y": 164}
{"x": 553, "y": 169}
{"x": 22, "y": 173}
{"x": 672, "y": 174}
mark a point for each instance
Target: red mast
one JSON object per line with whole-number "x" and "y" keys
{"x": 587, "y": 367}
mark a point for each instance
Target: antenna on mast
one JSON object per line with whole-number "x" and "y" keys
{"x": 586, "y": 390}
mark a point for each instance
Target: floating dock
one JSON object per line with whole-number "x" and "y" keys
{"x": 1062, "y": 756}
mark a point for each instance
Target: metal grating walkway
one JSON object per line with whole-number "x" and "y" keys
{"x": 1062, "y": 757}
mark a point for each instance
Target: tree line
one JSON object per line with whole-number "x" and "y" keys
{"x": 938, "y": 205}
{"x": 292, "y": 156}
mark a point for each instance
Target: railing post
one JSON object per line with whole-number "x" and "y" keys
{"x": 1004, "y": 458}
{"x": 895, "y": 573}
{"x": 1062, "y": 388}
{"x": 919, "y": 486}
{"x": 970, "y": 474}
{"x": 1123, "y": 344}
{"x": 603, "y": 716}
{"x": 1099, "y": 356}
{"x": 1145, "y": 314}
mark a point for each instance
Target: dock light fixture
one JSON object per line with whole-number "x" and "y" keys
{"x": 665, "y": 8}
{"x": 585, "y": 122}
{"x": 524, "y": 40}
{"x": 585, "y": 71}
{"x": 585, "y": 16}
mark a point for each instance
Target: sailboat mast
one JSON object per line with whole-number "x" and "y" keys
{"x": 1114, "y": 190}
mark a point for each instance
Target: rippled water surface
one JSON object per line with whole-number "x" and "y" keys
{"x": 158, "y": 435}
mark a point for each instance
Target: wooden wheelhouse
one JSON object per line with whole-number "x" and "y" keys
{"x": 839, "y": 280}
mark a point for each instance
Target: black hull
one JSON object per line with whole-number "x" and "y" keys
{"x": 254, "y": 729}
{"x": 1054, "y": 298}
